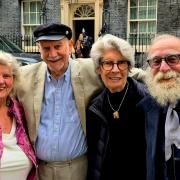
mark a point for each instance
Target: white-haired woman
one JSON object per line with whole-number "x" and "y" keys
{"x": 116, "y": 141}
{"x": 17, "y": 158}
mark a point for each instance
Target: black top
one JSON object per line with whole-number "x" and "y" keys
{"x": 116, "y": 147}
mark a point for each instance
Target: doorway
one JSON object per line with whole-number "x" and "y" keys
{"x": 88, "y": 25}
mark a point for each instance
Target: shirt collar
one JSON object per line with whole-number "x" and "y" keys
{"x": 66, "y": 75}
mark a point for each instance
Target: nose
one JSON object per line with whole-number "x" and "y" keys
{"x": 1, "y": 79}
{"x": 52, "y": 53}
{"x": 115, "y": 68}
{"x": 164, "y": 67}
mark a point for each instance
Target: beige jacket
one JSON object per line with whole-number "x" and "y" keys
{"x": 85, "y": 83}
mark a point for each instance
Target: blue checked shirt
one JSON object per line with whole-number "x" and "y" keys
{"x": 60, "y": 135}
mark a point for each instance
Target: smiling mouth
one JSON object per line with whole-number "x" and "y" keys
{"x": 167, "y": 80}
{"x": 2, "y": 88}
{"x": 55, "y": 59}
{"x": 114, "y": 78}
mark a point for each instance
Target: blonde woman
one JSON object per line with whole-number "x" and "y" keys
{"x": 17, "y": 158}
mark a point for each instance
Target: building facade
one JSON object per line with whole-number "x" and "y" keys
{"x": 135, "y": 20}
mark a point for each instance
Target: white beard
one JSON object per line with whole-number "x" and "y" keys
{"x": 164, "y": 92}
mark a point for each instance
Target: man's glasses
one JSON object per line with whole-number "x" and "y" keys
{"x": 109, "y": 65}
{"x": 171, "y": 60}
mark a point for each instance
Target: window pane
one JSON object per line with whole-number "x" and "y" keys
{"x": 26, "y": 18}
{"x": 33, "y": 6}
{"x": 27, "y": 30}
{"x": 133, "y": 3}
{"x": 151, "y": 13}
{"x": 142, "y": 27}
{"x": 26, "y": 6}
{"x": 142, "y": 13}
{"x": 151, "y": 27}
{"x": 133, "y": 27}
{"x": 133, "y": 13}
{"x": 38, "y": 18}
{"x": 38, "y": 6}
{"x": 142, "y": 2}
{"x": 152, "y": 2}
{"x": 32, "y": 18}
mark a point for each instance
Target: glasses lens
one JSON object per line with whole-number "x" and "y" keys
{"x": 172, "y": 59}
{"x": 155, "y": 62}
{"x": 122, "y": 65}
{"x": 107, "y": 65}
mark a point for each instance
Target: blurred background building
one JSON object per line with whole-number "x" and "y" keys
{"x": 135, "y": 20}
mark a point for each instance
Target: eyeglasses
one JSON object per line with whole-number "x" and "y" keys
{"x": 109, "y": 65}
{"x": 171, "y": 60}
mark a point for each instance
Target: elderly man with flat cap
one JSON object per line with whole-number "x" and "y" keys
{"x": 55, "y": 94}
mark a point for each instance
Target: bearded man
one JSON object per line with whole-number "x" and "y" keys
{"x": 161, "y": 109}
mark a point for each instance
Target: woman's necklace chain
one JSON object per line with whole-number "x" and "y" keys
{"x": 116, "y": 113}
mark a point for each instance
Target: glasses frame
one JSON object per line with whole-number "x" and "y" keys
{"x": 165, "y": 58}
{"x": 119, "y": 64}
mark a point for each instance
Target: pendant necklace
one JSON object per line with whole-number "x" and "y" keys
{"x": 116, "y": 113}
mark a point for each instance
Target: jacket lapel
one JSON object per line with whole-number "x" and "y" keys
{"x": 155, "y": 137}
{"x": 152, "y": 126}
{"x": 77, "y": 84}
{"x": 39, "y": 80}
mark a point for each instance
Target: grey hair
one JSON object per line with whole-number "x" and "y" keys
{"x": 109, "y": 41}
{"x": 159, "y": 37}
{"x": 9, "y": 60}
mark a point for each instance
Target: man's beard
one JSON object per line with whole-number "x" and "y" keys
{"x": 167, "y": 92}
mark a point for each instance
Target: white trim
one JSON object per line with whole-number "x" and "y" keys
{"x": 139, "y": 20}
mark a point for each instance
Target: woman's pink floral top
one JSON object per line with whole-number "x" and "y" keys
{"x": 16, "y": 111}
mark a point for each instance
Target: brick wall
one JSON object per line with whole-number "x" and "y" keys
{"x": 168, "y": 17}
{"x": 53, "y": 11}
{"x": 10, "y": 17}
{"x": 116, "y": 17}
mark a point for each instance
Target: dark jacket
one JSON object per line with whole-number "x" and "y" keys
{"x": 155, "y": 117}
{"x": 130, "y": 139}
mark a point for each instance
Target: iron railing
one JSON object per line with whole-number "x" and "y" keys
{"x": 27, "y": 44}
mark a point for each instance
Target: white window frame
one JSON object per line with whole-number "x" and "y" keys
{"x": 31, "y": 46}
{"x": 138, "y": 33}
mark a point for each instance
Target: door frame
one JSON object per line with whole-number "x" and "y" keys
{"x": 68, "y": 7}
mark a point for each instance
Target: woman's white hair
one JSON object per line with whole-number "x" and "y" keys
{"x": 109, "y": 41}
{"x": 9, "y": 60}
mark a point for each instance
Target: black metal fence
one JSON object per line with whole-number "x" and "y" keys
{"x": 27, "y": 44}
{"x": 140, "y": 43}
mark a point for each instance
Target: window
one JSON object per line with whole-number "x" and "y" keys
{"x": 31, "y": 11}
{"x": 84, "y": 11}
{"x": 142, "y": 21}
{"x": 31, "y": 15}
